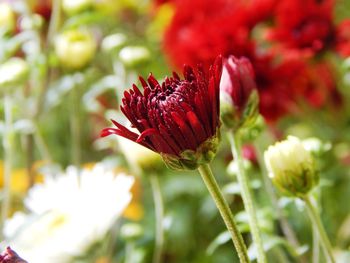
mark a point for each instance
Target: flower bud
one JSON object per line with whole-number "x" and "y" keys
{"x": 13, "y": 72}
{"x": 131, "y": 231}
{"x": 113, "y": 42}
{"x": 291, "y": 167}
{"x": 133, "y": 56}
{"x": 72, "y": 7}
{"x": 75, "y": 48}
{"x": 238, "y": 93}
{"x": 7, "y": 17}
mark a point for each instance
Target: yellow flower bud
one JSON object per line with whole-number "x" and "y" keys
{"x": 75, "y": 48}
{"x": 291, "y": 167}
{"x": 7, "y": 17}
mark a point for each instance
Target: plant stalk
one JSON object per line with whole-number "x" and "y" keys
{"x": 75, "y": 126}
{"x": 225, "y": 211}
{"x": 246, "y": 196}
{"x": 318, "y": 226}
{"x": 159, "y": 213}
{"x": 8, "y": 140}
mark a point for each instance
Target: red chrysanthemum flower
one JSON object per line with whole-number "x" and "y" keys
{"x": 10, "y": 256}
{"x": 303, "y": 24}
{"x": 292, "y": 80}
{"x": 201, "y": 29}
{"x": 238, "y": 96}
{"x": 178, "y": 119}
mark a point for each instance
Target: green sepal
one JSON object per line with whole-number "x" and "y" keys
{"x": 234, "y": 118}
{"x": 298, "y": 184}
{"x": 191, "y": 160}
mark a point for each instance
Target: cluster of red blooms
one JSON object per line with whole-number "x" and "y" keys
{"x": 284, "y": 40}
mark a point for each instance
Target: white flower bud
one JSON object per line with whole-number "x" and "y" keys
{"x": 291, "y": 167}
{"x": 133, "y": 56}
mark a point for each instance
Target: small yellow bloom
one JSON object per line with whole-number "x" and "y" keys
{"x": 19, "y": 178}
{"x": 75, "y": 48}
{"x": 134, "y": 211}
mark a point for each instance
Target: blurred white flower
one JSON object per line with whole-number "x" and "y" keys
{"x": 68, "y": 213}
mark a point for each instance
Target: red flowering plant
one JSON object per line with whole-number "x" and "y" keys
{"x": 303, "y": 24}
{"x": 178, "y": 118}
{"x": 190, "y": 39}
{"x": 270, "y": 33}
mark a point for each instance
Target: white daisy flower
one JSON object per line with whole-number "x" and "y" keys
{"x": 68, "y": 213}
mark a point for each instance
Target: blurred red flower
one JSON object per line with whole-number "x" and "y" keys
{"x": 282, "y": 85}
{"x": 303, "y": 24}
{"x": 202, "y": 29}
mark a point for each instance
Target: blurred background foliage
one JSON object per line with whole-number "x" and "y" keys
{"x": 79, "y": 58}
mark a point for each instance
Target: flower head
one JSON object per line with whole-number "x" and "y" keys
{"x": 303, "y": 24}
{"x": 291, "y": 167}
{"x": 199, "y": 30}
{"x": 68, "y": 213}
{"x": 238, "y": 96}
{"x": 178, "y": 119}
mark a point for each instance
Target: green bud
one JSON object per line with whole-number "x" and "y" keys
{"x": 133, "y": 56}
{"x": 13, "y": 72}
{"x": 291, "y": 167}
{"x": 75, "y": 48}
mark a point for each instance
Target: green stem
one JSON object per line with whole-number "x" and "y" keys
{"x": 315, "y": 246}
{"x": 42, "y": 146}
{"x": 75, "y": 127}
{"x": 286, "y": 228}
{"x": 159, "y": 212}
{"x": 317, "y": 224}
{"x": 246, "y": 196}
{"x": 225, "y": 211}
{"x": 8, "y": 138}
{"x": 129, "y": 251}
